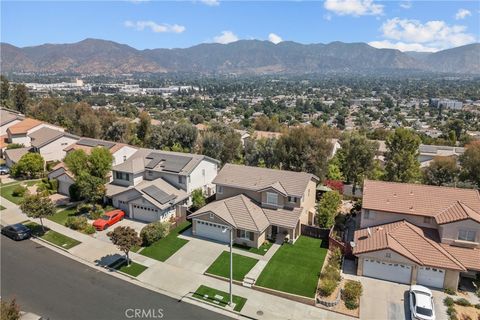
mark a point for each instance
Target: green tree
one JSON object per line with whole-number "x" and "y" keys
{"x": 441, "y": 171}
{"x": 356, "y": 157}
{"x": 118, "y": 132}
{"x": 401, "y": 158}
{"x": 4, "y": 89}
{"x": 76, "y": 161}
{"x": 470, "y": 162}
{"x": 328, "y": 208}
{"x": 9, "y": 310}
{"x": 198, "y": 199}
{"x": 37, "y": 206}
{"x": 91, "y": 188}
{"x": 20, "y": 98}
{"x": 30, "y": 165}
{"x": 100, "y": 162}
{"x": 125, "y": 238}
{"x": 144, "y": 127}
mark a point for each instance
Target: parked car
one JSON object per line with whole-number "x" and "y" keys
{"x": 17, "y": 232}
{"x": 421, "y": 303}
{"x": 108, "y": 219}
{"x": 4, "y": 170}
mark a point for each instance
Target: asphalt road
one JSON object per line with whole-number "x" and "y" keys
{"x": 56, "y": 287}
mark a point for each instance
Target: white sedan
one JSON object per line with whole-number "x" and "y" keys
{"x": 421, "y": 303}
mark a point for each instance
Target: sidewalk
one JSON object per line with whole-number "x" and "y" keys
{"x": 173, "y": 279}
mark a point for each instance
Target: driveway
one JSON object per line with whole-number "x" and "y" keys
{"x": 102, "y": 235}
{"x": 388, "y": 300}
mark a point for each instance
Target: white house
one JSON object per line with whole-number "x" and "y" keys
{"x": 120, "y": 151}
{"x": 51, "y": 143}
{"x": 8, "y": 118}
{"x": 21, "y": 131}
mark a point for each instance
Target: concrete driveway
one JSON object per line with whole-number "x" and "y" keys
{"x": 102, "y": 235}
{"x": 388, "y": 300}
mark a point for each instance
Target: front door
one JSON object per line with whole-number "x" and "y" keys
{"x": 274, "y": 231}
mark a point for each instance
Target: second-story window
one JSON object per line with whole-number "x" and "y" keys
{"x": 219, "y": 189}
{"x": 292, "y": 199}
{"x": 467, "y": 235}
{"x": 122, "y": 175}
{"x": 180, "y": 179}
{"x": 428, "y": 220}
{"x": 272, "y": 198}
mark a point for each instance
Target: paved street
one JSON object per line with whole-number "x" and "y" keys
{"x": 57, "y": 287}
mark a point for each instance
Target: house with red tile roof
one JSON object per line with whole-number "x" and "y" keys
{"x": 418, "y": 234}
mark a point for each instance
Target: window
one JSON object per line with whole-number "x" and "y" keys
{"x": 367, "y": 214}
{"x": 467, "y": 235}
{"x": 122, "y": 175}
{"x": 272, "y": 198}
{"x": 428, "y": 220}
{"x": 388, "y": 255}
{"x": 245, "y": 234}
{"x": 124, "y": 158}
{"x": 219, "y": 189}
{"x": 180, "y": 179}
{"x": 292, "y": 199}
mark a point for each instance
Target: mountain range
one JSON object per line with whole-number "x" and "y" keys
{"x": 94, "y": 56}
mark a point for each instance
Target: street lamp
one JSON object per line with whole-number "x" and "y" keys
{"x": 231, "y": 262}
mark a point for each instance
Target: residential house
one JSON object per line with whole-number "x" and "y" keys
{"x": 9, "y": 118}
{"x": 413, "y": 233}
{"x": 428, "y": 152}
{"x": 120, "y": 151}
{"x": 12, "y": 156}
{"x": 64, "y": 177}
{"x": 21, "y": 131}
{"x": 51, "y": 143}
{"x": 257, "y": 135}
{"x": 257, "y": 203}
{"x": 155, "y": 185}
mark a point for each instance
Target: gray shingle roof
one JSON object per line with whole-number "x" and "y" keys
{"x": 254, "y": 178}
{"x": 45, "y": 135}
{"x": 16, "y": 154}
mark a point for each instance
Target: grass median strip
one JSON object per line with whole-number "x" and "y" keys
{"x": 241, "y": 266}
{"x": 52, "y": 236}
{"x": 295, "y": 268}
{"x": 164, "y": 248}
{"x": 218, "y": 297}
{"x": 134, "y": 269}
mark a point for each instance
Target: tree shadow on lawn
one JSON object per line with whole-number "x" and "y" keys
{"x": 109, "y": 260}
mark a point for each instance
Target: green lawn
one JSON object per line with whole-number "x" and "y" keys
{"x": 295, "y": 268}
{"x": 52, "y": 236}
{"x": 6, "y": 190}
{"x": 261, "y": 250}
{"x": 61, "y": 216}
{"x": 134, "y": 269}
{"x": 241, "y": 265}
{"x": 166, "y": 247}
{"x": 213, "y": 296}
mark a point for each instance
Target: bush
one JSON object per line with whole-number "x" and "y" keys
{"x": 451, "y": 311}
{"x": 463, "y": 302}
{"x": 74, "y": 192}
{"x": 9, "y": 310}
{"x": 84, "y": 208}
{"x": 331, "y": 272}
{"x": 448, "y": 302}
{"x": 450, "y": 291}
{"x": 351, "y": 294}
{"x": 89, "y": 229}
{"x": 76, "y": 223}
{"x": 477, "y": 306}
{"x": 19, "y": 191}
{"x": 327, "y": 286}
{"x": 153, "y": 232}
{"x": 95, "y": 212}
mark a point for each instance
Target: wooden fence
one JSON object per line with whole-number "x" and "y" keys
{"x": 315, "y": 232}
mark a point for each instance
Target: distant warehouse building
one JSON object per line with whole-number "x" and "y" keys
{"x": 446, "y": 103}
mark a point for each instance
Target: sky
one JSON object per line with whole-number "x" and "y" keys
{"x": 407, "y": 25}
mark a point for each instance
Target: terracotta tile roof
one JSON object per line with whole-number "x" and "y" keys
{"x": 3, "y": 141}
{"x": 420, "y": 245}
{"x": 24, "y": 126}
{"x": 457, "y": 212}
{"x": 417, "y": 199}
{"x": 255, "y": 178}
{"x": 469, "y": 257}
{"x": 244, "y": 213}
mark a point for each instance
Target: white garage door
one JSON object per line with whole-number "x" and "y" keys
{"x": 144, "y": 213}
{"x": 211, "y": 231}
{"x": 395, "y": 272}
{"x": 431, "y": 277}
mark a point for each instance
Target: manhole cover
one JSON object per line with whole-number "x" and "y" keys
{"x": 259, "y": 313}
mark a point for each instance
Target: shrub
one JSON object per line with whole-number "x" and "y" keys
{"x": 351, "y": 294}
{"x": 477, "y": 306}
{"x": 153, "y": 232}
{"x": 448, "y": 301}
{"x": 84, "y": 208}
{"x": 74, "y": 192}
{"x": 95, "y": 212}
{"x": 10, "y": 310}
{"x": 451, "y": 311}
{"x": 336, "y": 257}
{"x": 19, "y": 191}
{"x": 331, "y": 272}
{"x": 76, "y": 223}
{"x": 327, "y": 286}
{"x": 463, "y": 302}
{"x": 450, "y": 291}
{"x": 89, "y": 229}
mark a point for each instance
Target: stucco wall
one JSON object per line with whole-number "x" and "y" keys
{"x": 381, "y": 217}
{"x": 449, "y": 232}
{"x": 451, "y": 279}
{"x": 118, "y": 156}
{"x": 3, "y": 129}
{"x": 230, "y": 192}
{"x": 202, "y": 176}
{"x": 54, "y": 150}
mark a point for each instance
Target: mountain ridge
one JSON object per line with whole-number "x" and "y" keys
{"x": 97, "y": 56}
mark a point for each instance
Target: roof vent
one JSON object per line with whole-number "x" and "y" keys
{"x": 411, "y": 192}
{"x": 411, "y": 208}
{"x": 395, "y": 194}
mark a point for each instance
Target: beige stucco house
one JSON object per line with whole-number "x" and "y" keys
{"x": 418, "y": 234}
{"x": 257, "y": 203}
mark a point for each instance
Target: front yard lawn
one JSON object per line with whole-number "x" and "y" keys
{"x": 60, "y": 217}
{"x": 166, "y": 247}
{"x": 241, "y": 265}
{"x": 218, "y": 297}
{"x": 7, "y": 190}
{"x": 295, "y": 268}
{"x": 52, "y": 236}
{"x": 134, "y": 269}
{"x": 261, "y": 250}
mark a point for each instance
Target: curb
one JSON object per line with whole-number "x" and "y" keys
{"x": 50, "y": 243}
{"x": 217, "y": 307}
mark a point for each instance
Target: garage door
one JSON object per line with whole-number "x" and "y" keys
{"x": 431, "y": 277}
{"x": 143, "y": 213}
{"x": 212, "y": 231}
{"x": 395, "y": 272}
{"x": 64, "y": 188}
